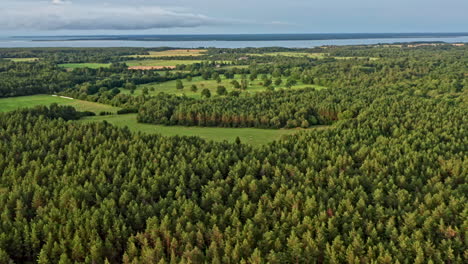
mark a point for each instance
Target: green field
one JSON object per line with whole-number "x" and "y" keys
{"x": 13, "y": 103}
{"x": 172, "y": 53}
{"x": 170, "y": 87}
{"x": 132, "y": 63}
{"x": 252, "y": 136}
{"x": 22, "y": 59}
{"x": 84, "y": 65}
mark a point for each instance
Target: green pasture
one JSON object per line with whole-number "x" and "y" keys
{"x": 22, "y": 59}
{"x": 170, "y": 86}
{"x": 252, "y": 136}
{"x": 13, "y": 103}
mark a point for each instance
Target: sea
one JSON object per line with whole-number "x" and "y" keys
{"x": 229, "y": 41}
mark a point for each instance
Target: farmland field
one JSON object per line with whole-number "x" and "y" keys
{"x": 84, "y": 65}
{"x": 13, "y": 103}
{"x": 254, "y": 136}
{"x": 172, "y": 53}
{"x": 212, "y": 85}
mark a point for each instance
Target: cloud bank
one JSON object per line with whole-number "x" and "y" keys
{"x": 65, "y": 15}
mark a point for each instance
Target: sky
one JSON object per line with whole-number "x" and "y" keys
{"x": 90, "y": 17}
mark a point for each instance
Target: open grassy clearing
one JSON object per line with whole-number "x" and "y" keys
{"x": 172, "y": 53}
{"x": 13, "y": 103}
{"x": 253, "y": 136}
{"x": 308, "y": 55}
{"x": 22, "y": 59}
{"x": 84, "y": 65}
{"x": 170, "y": 87}
{"x": 132, "y": 63}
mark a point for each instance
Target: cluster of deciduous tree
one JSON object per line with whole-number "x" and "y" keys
{"x": 387, "y": 186}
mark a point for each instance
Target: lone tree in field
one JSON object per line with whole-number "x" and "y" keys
{"x": 194, "y": 88}
{"x": 221, "y": 90}
{"x": 267, "y": 82}
{"x": 290, "y": 83}
{"x": 278, "y": 81}
{"x": 236, "y": 84}
{"x": 253, "y": 76}
{"x": 130, "y": 86}
{"x": 179, "y": 85}
{"x": 244, "y": 84}
{"x": 206, "y": 93}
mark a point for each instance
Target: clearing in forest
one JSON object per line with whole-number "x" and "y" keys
{"x": 13, "y": 103}
{"x": 253, "y": 136}
{"x": 22, "y": 59}
{"x": 212, "y": 85}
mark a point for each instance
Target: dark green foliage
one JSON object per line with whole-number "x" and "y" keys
{"x": 221, "y": 90}
{"x": 55, "y": 111}
{"x": 388, "y": 189}
{"x": 179, "y": 85}
{"x": 206, "y": 93}
{"x": 127, "y": 111}
{"x": 266, "y": 110}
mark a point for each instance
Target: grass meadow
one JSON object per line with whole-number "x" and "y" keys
{"x": 170, "y": 87}
{"x": 253, "y": 136}
{"x": 13, "y": 103}
{"x": 22, "y": 59}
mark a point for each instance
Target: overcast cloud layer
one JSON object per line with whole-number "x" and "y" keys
{"x": 230, "y": 16}
{"x": 65, "y": 15}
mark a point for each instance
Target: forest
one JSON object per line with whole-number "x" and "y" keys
{"x": 385, "y": 182}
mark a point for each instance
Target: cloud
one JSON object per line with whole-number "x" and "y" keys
{"x": 57, "y": 2}
{"x": 65, "y": 15}
{"x": 280, "y": 23}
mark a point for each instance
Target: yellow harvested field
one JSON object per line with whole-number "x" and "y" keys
{"x": 172, "y": 53}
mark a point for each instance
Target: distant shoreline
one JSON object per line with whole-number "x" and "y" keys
{"x": 229, "y": 41}
{"x": 241, "y": 37}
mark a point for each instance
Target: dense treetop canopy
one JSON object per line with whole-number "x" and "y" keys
{"x": 387, "y": 183}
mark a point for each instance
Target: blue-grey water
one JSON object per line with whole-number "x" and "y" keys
{"x": 25, "y": 43}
